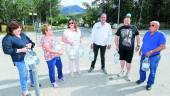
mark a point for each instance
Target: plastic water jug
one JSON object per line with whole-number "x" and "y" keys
{"x": 145, "y": 64}
{"x": 91, "y": 55}
{"x": 116, "y": 58}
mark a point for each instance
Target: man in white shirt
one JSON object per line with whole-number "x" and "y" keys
{"x": 101, "y": 39}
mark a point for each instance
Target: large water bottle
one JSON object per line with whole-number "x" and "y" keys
{"x": 57, "y": 45}
{"x": 72, "y": 52}
{"x": 91, "y": 55}
{"x": 145, "y": 64}
{"x": 80, "y": 51}
{"x": 116, "y": 58}
{"x": 31, "y": 58}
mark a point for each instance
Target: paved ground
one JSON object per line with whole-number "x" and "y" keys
{"x": 93, "y": 84}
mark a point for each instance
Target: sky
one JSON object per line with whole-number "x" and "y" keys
{"x": 74, "y": 2}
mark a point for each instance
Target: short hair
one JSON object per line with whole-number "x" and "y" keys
{"x": 11, "y": 26}
{"x": 45, "y": 28}
{"x": 103, "y": 14}
{"x": 127, "y": 18}
{"x": 156, "y": 22}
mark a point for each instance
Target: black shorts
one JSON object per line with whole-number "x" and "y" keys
{"x": 126, "y": 55}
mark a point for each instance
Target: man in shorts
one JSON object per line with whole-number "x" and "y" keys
{"x": 125, "y": 42}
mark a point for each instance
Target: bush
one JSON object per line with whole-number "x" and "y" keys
{"x": 60, "y": 19}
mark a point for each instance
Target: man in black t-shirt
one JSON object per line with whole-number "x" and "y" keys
{"x": 125, "y": 42}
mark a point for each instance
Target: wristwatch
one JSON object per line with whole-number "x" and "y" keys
{"x": 151, "y": 51}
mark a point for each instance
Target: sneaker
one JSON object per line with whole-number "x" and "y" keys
{"x": 121, "y": 74}
{"x": 61, "y": 79}
{"x": 90, "y": 70}
{"x": 104, "y": 71}
{"x": 26, "y": 93}
{"x": 55, "y": 85}
{"x": 148, "y": 87}
{"x": 139, "y": 82}
{"x": 127, "y": 78}
{"x": 32, "y": 85}
{"x": 78, "y": 72}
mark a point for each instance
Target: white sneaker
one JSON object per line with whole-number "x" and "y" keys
{"x": 26, "y": 93}
{"x": 127, "y": 77}
{"x": 55, "y": 85}
{"x": 121, "y": 74}
{"x": 78, "y": 72}
{"x": 61, "y": 79}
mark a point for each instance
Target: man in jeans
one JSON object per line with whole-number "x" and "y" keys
{"x": 101, "y": 39}
{"x": 153, "y": 43}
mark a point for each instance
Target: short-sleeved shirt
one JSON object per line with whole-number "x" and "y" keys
{"x": 150, "y": 42}
{"x": 48, "y": 42}
{"x": 127, "y": 37}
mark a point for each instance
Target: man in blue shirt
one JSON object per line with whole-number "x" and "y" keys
{"x": 153, "y": 43}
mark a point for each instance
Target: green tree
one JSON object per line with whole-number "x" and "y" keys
{"x": 143, "y": 11}
{"x": 59, "y": 19}
{"x": 20, "y": 9}
{"x": 14, "y": 9}
{"x": 91, "y": 15}
{"x": 47, "y": 9}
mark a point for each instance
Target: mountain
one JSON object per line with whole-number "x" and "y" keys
{"x": 71, "y": 10}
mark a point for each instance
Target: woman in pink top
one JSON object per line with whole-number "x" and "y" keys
{"x": 51, "y": 55}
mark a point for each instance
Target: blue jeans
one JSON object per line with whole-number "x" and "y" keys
{"x": 51, "y": 67}
{"x": 154, "y": 61}
{"x": 23, "y": 75}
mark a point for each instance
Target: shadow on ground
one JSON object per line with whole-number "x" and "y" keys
{"x": 89, "y": 84}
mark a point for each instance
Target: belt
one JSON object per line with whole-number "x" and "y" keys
{"x": 154, "y": 55}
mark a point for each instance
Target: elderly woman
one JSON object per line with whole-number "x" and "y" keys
{"x": 16, "y": 44}
{"x": 72, "y": 38}
{"x": 51, "y": 55}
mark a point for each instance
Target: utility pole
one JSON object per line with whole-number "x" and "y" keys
{"x": 51, "y": 14}
{"x": 118, "y": 13}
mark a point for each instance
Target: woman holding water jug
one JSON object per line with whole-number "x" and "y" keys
{"x": 52, "y": 56}
{"x": 72, "y": 38}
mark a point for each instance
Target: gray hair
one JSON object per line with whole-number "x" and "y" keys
{"x": 156, "y": 22}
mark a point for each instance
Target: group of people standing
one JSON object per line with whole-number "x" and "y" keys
{"x": 16, "y": 44}
{"x": 124, "y": 42}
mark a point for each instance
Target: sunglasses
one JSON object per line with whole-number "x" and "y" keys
{"x": 71, "y": 23}
{"x": 152, "y": 25}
